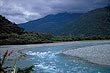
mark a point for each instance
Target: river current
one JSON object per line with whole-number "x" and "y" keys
{"x": 48, "y": 59}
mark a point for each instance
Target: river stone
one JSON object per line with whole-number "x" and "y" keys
{"x": 96, "y": 54}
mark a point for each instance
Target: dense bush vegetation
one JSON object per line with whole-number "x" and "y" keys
{"x": 25, "y": 38}
{"x": 34, "y": 38}
{"x": 81, "y": 38}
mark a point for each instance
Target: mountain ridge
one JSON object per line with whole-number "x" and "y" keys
{"x": 8, "y": 27}
{"x": 93, "y": 23}
{"x": 50, "y": 23}
{"x": 11, "y": 33}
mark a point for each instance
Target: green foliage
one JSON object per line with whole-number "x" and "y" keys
{"x": 62, "y": 38}
{"x": 71, "y": 38}
{"x": 12, "y": 69}
{"x": 26, "y": 38}
{"x": 26, "y": 69}
{"x": 34, "y": 38}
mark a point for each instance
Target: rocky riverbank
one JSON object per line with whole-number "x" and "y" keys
{"x": 95, "y": 54}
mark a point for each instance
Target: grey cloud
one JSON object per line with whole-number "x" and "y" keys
{"x": 22, "y": 11}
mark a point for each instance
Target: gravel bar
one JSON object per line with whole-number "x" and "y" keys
{"x": 99, "y": 54}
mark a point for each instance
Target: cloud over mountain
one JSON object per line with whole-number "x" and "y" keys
{"x": 22, "y": 11}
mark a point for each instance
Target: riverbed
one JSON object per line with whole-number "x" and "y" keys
{"x": 47, "y": 58}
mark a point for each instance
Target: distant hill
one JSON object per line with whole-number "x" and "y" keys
{"x": 50, "y": 24}
{"x": 10, "y": 33}
{"x": 93, "y": 23}
{"x": 8, "y": 27}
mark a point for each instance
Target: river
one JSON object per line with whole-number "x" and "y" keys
{"x": 48, "y": 59}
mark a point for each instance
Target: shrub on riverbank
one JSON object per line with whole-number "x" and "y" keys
{"x": 25, "y": 38}
{"x": 34, "y": 38}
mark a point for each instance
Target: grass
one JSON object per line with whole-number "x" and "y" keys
{"x": 12, "y": 69}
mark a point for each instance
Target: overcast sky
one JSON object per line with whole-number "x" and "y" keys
{"x": 21, "y": 11}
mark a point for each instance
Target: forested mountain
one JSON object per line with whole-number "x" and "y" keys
{"x": 92, "y": 23}
{"x": 10, "y": 33}
{"x": 50, "y": 24}
{"x": 8, "y": 27}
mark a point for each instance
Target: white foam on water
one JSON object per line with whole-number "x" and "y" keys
{"x": 46, "y": 68}
{"x": 42, "y": 54}
{"x": 47, "y": 54}
{"x": 31, "y": 53}
{"x": 32, "y": 58}
{"x": 42, "y": 66}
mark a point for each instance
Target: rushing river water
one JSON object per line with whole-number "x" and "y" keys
{"x": 48, "y": 59}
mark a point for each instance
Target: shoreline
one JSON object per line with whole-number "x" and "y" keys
{"x": 98, "y": 54}
{"x": 57, "y": 42}
{"x": 65, "y": 42}
{"x": 21, "y": 47}
{"x": 18, "y": 49}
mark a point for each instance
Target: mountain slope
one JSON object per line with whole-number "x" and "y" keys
{"x": 10, "y": 33}
{"x": 8, "y": 27}
{"x": 93, "y": 23}
{"x": 50, "y": 24}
